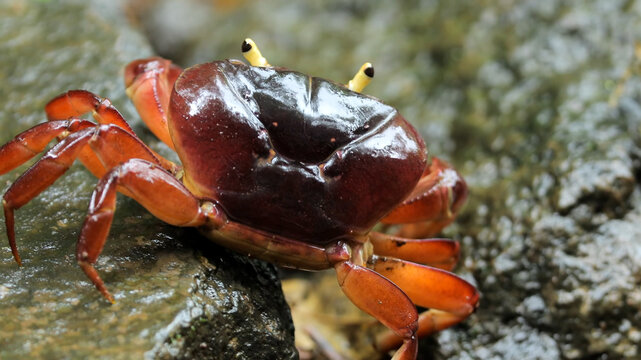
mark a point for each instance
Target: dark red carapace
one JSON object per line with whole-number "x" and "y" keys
{"x": 285, "y": 167}
{"x": 297, "y": 156}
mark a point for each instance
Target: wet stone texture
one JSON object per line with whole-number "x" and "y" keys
{"x": 177, "y": 296}
{"x": 537, "y": 102}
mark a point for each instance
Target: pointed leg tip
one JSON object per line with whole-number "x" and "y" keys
{"x": 106, "y": 294}
{"x": 91, "y": 272}
{"x": 16, "y": 256}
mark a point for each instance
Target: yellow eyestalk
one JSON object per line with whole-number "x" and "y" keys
{"x": 252, "y": 54}
{"x": 362, "y": 78}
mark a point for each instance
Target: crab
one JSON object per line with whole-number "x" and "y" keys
{"x": 288, "y": 168}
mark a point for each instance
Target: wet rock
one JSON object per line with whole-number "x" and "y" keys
{"x": 177, "y": 296}
{"x": 569, "y": 193}
{"x": 538, "y": 103}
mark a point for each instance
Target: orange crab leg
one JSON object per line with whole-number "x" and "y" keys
{"x": 380, "y": 298}
{"x": 433, "y": 204}
{"x": 149, "y": 84}
{"x": 273, "y": 248}
{"x": 31, "y": 142}
{"x": 450, "y": 298}
{"x": 38, "y": 177}
{"x": 144, "y": 180}
{"x": 122, "y": 145}
{"x": 76, "y": 103}
{"x": 440, "y": 253}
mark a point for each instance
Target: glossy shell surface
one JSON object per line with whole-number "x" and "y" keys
{"x": 290, "y": 154}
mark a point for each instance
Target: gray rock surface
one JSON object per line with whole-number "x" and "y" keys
{"x": 178, "y": 296}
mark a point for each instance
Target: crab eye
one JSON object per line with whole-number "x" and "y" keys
{"x": 252, "y": 54}
{"x": 362, "y": 78}
{"x": 246, "y": 46}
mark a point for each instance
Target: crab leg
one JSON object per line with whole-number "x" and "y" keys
{"x": 149, "y": 84}
{"x": 433, "y": 204}
{"x": 76, "y": 103}
{"x": 144, "y": 180}
{"x": 31, "y": 142}
{"x": 38, "y": 177}
{"x": 273, "y": 248}
{"x": 112, "y": 144}
{"x": 450, "y": 298}
{"x": 440, "y": 253}
{"x": 380, "y": 298}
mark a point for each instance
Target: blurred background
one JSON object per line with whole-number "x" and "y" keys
{"x": 536, "y": 103}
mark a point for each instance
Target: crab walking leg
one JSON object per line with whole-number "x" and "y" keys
{"x": 273, "y": 248}
{"x": 144, "y": 180}
{"x": 440, "y": 253}
{"x": 149, "y": 84}
{"x": 450, "y": 298}
{"x": 112, "y": 144}
{"x": 76, "y": 103}
{"x": 380, "y": 298}
{"x": 433, "y": 204}
{"x": 38, "y": 177}
{"x": 33, "y": 141}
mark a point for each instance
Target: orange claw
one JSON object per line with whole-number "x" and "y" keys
{"x": 380, "y": 298}
{"x": 143, "y": 181}
{"x": 433, "y": 204}
{"x": 450, "y": 298}
{"x": 149, "y": 83}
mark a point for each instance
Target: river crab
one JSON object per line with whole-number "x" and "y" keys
{"x": 285, "y": 167}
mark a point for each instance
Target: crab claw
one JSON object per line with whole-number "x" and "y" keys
{"x": 433, "y": 204}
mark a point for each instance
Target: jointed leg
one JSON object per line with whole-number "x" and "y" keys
{"x": 33, "y": 141}
{"x": 434, "y": 203}
{"x": 440, "y": 253}
{"x": 112, "y": 144}
{"x": 143, "y": 181}
{"x": 380, "y": 298}
{"x": 76, "y": 103}
{"x": 40, "y": 176}
{"x": 450, "y": 298}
